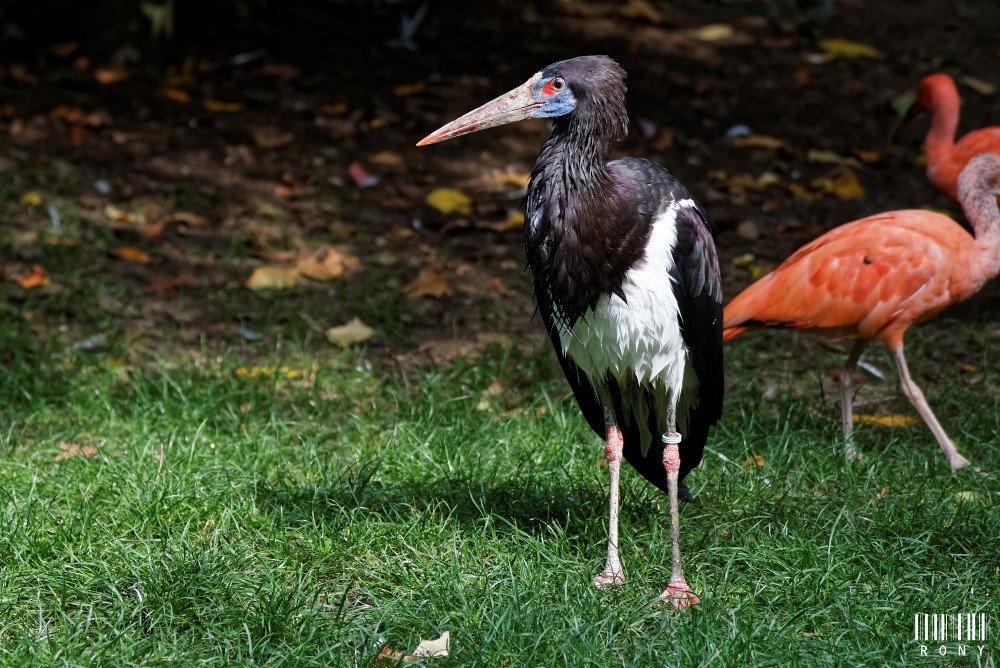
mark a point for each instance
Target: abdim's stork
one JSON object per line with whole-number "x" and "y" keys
{"x": 626, "y": 280}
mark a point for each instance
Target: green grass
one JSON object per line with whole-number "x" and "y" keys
{"x": 310, "y": 518}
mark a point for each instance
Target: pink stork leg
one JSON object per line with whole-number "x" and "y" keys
{"x": 846, "y": 409}
{"x": 613, "y": 573}
{"x": 916, "y": 397}
{"x": 678, "y": 593}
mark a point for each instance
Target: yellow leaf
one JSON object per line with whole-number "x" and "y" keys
{"x": 642, "y": 9}
{"x": 845, "y": 186}
{"x": 982, "y": 87}
{"x": 430, "y": 282}
{"x": 713, "y": 32}
{"x": 892, "y": 421}
{"x": 844, "y": 48}
{"x": 753, "y": 463}
{"x": 513, "y": 179}
{"x": 971, "y": 497}
{"x": 220, "y": 107}
{"x": 800, "y": 190}
{"x": 31, "y": 198}
{"x": 354, "y": 331}
{"x": 267, "y": 372}
{"x": 270, "y": 277}
{"x": 744, "y": 260}
{"x": 130, "y": 254}
{"x": 449, "y": 200}
{"x": 762, "y": 141}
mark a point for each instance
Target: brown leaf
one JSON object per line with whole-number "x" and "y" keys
{"x": 335, "y": 109}
{"x": 270, "y": 277}
{"x": 753, "y": 463}
{"x": 110, "y": 75}
{"x": 845, "y": 186}
{"x": 405, "y": 90}
{"x": 70, "y": 450}
{"x": 130, "y": 254}
{"x": 432, "y": 281}
{"x": 270, "y": 136}
{"x": 325, "y": 264}
{"x": 182, "y": 217}
{"x": 176, "y": 94}
{"x": 64, "y": 50}
{"x": 642, "y": 9}
{"x": 762, "y": 141}
{"x": 386, "y": 159}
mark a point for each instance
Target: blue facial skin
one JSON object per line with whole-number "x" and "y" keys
{"x": 559, "y": 104}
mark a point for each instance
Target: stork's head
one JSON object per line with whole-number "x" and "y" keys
{"x": 594, "y": 83}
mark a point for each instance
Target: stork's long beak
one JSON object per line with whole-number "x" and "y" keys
{"x": 510, "y": 107}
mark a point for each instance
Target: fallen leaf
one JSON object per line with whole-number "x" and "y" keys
{"x": 31, "y": 198}
{"x": 388, "y": 655}
{"x": 713, "y": 32}
{"x": 867, "y": 157}
{"x": 131, "y": 254}
{"x": 762, "y": 141}
{"x": 386, "y": 159}
{"x": 753, "y": 463}
{"x": 154, "y": 230}
{"x": 405, "y": 90}
{"x": 176, "y": 94}
{"x": 325, "y": 264}
{"x": 517, "y": 180}
{"x": 70, "y": 450}
{"x": 35, "y": 279}
{"x": 449, "y": 200}
{"x": 984, "y": 88}
{"x": 114, "y": 214}
{"x": 642, "y": 9}
{"x": 437, "y": 647}
{"x": 270, "y": 136}
{"x": 267, "y": 372}
{"x": 901, "y": 103}
{"x": 64, "y": 50}
{"x": 360, "y": 175}
{"x": 354, "y": 331}
{"x": 271, "y": 277}
{"x": 892, "y": 421}
{"x": 845, "y": 186}
{"x": 971, "y": 497}
{"x": 221, "y": 107}
{"x": 968, "y": 368}
{"x": 335, "y": 109}
{"x": 844, "y": 48}
{"x": 432, "y": 281}
{"x": 830, "y": 158}
{"x": 110, "y": 75}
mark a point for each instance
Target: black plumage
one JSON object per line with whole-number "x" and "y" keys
{"x": 589, "y": 238}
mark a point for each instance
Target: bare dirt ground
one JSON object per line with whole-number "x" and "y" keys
{"x": 293, "y": 134}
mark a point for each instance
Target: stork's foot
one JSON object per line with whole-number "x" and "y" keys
{"x": 957, "y": 461}
{"x": 678, "y": 594}
{"x": 853, "y": 454}
{"x": 612, "y": 575}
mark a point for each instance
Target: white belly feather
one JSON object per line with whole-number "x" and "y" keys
{"x": 637, "y": 340}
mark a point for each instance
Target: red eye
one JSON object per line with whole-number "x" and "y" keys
{"x": 553, "y": 87}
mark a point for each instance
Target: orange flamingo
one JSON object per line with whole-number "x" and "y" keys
{"x": 872, "y": 278}
{"x": 944, "y": 156}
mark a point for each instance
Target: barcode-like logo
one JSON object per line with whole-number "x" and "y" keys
{"x": 956, "y": 633}
{"x": 956, "y": 627}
